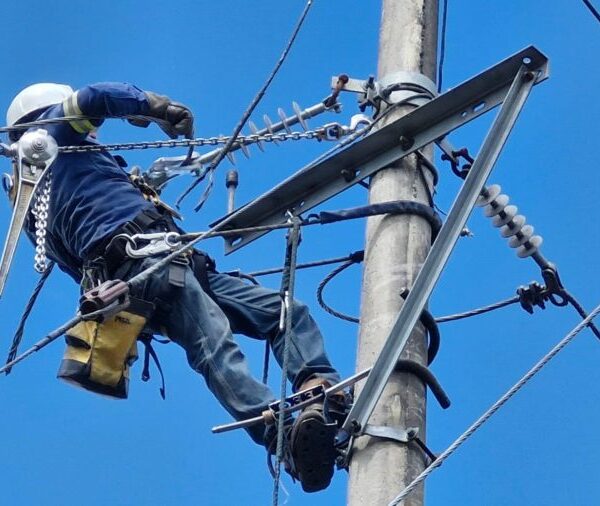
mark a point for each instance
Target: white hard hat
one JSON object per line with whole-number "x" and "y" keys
{"x": 36, "y": 97}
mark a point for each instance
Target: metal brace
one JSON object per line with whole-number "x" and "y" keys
{"x": 399, "y": 435}
{"x": 32, "y": 155}
{"x": 364, "y": 404}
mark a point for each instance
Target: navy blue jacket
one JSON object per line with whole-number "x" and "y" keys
{"x": 91, "y": 195}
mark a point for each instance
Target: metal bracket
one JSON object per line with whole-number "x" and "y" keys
{"x": 360, "y": 85}
{"x": 400, "y": 435}
{"x": 428, "y": 123}
{"x": 440, "y": 252}
{"x": 34, "y": 153}
{"x": 374, "y": 93}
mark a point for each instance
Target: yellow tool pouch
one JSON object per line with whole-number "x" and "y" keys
{"x": 99, "y": 354}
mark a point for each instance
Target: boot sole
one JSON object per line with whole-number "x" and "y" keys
{"x": 313, "y": 451}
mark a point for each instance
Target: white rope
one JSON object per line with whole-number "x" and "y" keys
{"x": 492, "y": 410}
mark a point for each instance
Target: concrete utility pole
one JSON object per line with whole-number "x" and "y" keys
{"x": 396, "y": 247}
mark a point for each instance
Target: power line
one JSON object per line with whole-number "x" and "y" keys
{"x": 494, "y": 408}
{"x": 443, "y": 45}
{"x": 592, "y": 9}
{"x": 18, "y": 337}
{"x": 213, "y": 166}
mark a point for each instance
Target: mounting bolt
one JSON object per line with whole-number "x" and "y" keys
{"x": 406, "y": 142}
{"x": 528, "y": 76}
{"x": 348, "y": 174}
{"x": 412, "y": 432}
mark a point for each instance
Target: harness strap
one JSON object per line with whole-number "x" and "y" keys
{"x": 149, "y": 351}
{"x": 112, "y": 250}
{"x": 202, "y": 264}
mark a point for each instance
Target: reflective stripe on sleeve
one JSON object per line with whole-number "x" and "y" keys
{"x": 71, "y": 108}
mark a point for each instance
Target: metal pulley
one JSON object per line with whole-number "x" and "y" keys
{"x": 37, "y": 148}
{"x": 32, "y": 157}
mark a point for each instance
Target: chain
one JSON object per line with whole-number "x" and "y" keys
{"x": 40, "y": 211}
{"x": 332, "y": 131}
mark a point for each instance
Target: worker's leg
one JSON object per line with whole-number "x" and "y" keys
{"x": 254, "y": 310}
{"x": 194, "y": 321}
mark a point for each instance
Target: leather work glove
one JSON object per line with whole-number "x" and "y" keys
{"x": 173, "y": 118}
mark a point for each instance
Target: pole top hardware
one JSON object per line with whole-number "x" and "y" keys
{"x": 431, "y": 122}
{"x": 395, "y": 87}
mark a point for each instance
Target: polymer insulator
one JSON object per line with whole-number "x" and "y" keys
{"x": 269, "y": 125}
{"x": 298, "y": 112}
{"x": 245, "y": 150}
{"x": 254, "y": 131}
{"x": 229, "y": 154}
{"x": 509, "y": 213}
{"x": 524, "y": 235}
{"x": 530, "y": 247}
{"x": 283, "y": 118}
{"x": 513, "y": 226}
{"x": 496, "y": 206}
{"x": 488, "y": 195}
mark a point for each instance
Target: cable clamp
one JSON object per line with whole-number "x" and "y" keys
{"x": 535, "y": 294}
{"x": 454, "y": 159}
{"x": 532, "y": 295}
{"x": 389, "y": 89}
{"x": 393, "y": 433}
{"x": 400, "y": 436}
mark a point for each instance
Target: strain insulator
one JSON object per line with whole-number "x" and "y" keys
{"x": 512, "y": 225}
{"x": 254, "y": 131}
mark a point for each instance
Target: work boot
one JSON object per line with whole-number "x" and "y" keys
{"x": 313, "y": 441}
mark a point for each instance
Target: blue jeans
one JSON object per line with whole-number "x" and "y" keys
{"x": 204, "y": 328}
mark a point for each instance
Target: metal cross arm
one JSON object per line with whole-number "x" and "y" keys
{"x": 428, "y": 123}
{"x": 442, "y": 247}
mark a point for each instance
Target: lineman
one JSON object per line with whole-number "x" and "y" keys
{"x": 94, "y": 203}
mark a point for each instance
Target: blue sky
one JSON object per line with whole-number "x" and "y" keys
{"x": 62, "y": 446}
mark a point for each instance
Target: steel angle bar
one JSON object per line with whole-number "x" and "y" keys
{"x": 440, "y": 252}
{"x": 428, "y": 123}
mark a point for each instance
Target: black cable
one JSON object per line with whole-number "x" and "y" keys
{"x": 582, "y": 312}
{"x": 478, "y": 311}
{"x": 592, "y": 9}
{"x": 18, "y": 337}
{"x": 443, "y": 45}
{"x": 246, "y": 115}
{"x": 306, "y": 265}
{"x": 322, "y": 286}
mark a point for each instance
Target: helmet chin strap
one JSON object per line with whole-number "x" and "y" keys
{"x": 32, "y": 157}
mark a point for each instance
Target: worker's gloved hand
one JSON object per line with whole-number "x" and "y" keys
{"x": 172, "y": 117}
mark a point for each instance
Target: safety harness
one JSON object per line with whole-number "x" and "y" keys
{"x": 99, "y": 354}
